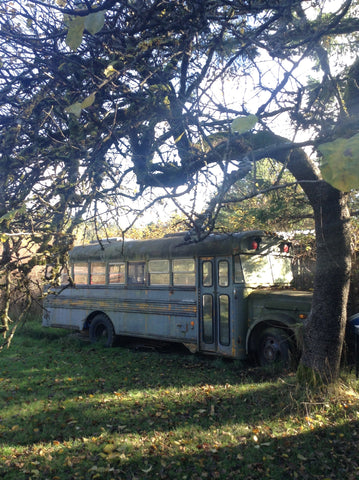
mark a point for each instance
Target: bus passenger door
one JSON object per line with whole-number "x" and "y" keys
{"x": 216, "y": 305}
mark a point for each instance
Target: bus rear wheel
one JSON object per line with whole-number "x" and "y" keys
{"x": 102, "y": 331}
{"x": 273, "y": 348}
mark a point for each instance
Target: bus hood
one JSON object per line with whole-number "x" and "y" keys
{"x": 292, "y": 302}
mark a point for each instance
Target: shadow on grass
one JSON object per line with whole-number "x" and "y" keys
{"x": 54, "y": 385}
{"x": 63, "y": 402}
{"x": 322, "y": 453}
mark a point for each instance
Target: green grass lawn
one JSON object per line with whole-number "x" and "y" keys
{"x": 72, "y": 411}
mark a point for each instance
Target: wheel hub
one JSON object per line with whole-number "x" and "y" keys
{"x": 271, "y": 349}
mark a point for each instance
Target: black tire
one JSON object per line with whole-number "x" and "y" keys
{"x": 102, "y": 331}
{"x": 274, "y": 347}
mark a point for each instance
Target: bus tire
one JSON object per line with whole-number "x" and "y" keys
{"x": 273, "y": 347}
{"x": 102, "y": 331}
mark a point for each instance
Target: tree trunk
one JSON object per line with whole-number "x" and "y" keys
{"x": 6, "y": 289}
{"x": 324, "y": 329}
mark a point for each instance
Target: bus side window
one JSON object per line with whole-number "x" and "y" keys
{"x": 98, "y": 273}
{"x": 224, "y": 319}
{"x": 136, "y": 273}
{"x": 207, "y": 275}
{"x": 159, "y": 271}
{"x": 238, "y": 272}
{"x": 207, "y": 306}
{"x": 223, "y": 273}
{"x": 184, "y": 272}
{"x": 116, "y": 273}
{"x": 81, "y": 271}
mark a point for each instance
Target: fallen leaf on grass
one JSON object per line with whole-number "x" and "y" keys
{"x": 147, "y": 470}
{"x": 301, "y": 457}
{"x": 109, "y": 448}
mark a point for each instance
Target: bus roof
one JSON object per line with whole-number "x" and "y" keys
{"x": 174, "y": 246}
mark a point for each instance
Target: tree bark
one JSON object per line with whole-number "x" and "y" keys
{"x": 324, "y": 329}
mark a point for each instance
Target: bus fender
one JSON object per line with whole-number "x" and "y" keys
{"x": 284, "y": 322}
{"x": 90, "y": 317}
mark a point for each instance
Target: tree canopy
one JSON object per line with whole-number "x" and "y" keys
{"x": 108, "y": 106}
{"x": 134, "y": 93}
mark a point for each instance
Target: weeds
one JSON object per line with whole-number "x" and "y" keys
{"x": 72, "y": 411}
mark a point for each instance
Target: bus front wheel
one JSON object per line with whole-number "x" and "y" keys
{"x": 273, "y": 347}
{"x": 102, "y": 331}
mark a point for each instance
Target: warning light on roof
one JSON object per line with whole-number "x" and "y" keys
{"x": 285, "y": 247}
{"x": 254, "y": 244}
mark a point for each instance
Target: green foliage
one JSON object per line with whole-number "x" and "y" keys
{"x": 76, "y": 27}
{"x": 89, "y": 231}
{"x": 279, "y": 209}
{"x": 244, "y": 124}
{"x": 159, "y": 229}
{"x": 93, "y": 23}
{"x": 70, "y": 410}
{"x": 10, "y": 216}
{"x": 76, "y": 108}
{"x": 340, "y": 164}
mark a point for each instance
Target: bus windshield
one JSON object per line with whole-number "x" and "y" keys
{"x": 266, "y": 270}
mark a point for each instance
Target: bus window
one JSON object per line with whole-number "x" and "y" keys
{"x": 184, "y": 272}
{"x": 207, "y": 306}
{"x": 159, "y": 271}
{"x": 224, "y": 319}
{"x": 257, "y": 270}
{"x": 98, "y": 273}
{"x": 223, "y": 271}
{"x": 207, "y": 276}
{"x": 116, "y": 273}
{"x": 136, "y": 273}
{"x": 238, "y": 272}
{"x": 81, "y": 273}
{"x": 281, "y": 269}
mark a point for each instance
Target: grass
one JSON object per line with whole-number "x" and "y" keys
{"x": 69, "y": 410}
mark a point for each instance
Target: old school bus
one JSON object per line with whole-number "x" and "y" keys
{"x": 227, "y": 295}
